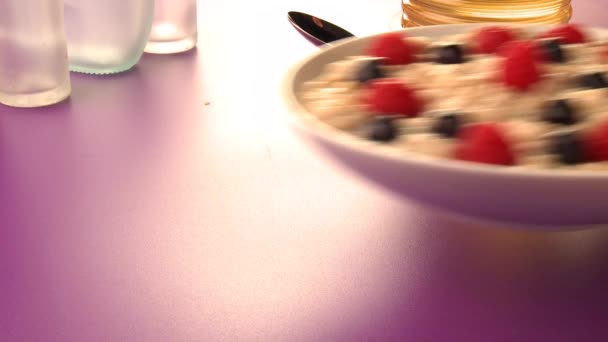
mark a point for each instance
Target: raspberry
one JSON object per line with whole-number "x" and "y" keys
{"x": 517, "y": 45}
{"x": 536, "y": 48}
{"x": 484, "y": 143}
{"x": 390, "y": 96}
{"x": 520, "y": 69}
{"x": 596, "y": 143}
{"x": 567, "y": 34}
{"x": 490, "y": 39}
{"x": 393, "y": 48}
{"x": 604, "y": 54}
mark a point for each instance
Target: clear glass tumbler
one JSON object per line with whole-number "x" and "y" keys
{"x": 175, "y": 27}
{"x": 107, "y": 36}
{"x": 33, "y": 53}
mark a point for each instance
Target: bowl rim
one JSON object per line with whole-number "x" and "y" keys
{"x": 303, "y": 118}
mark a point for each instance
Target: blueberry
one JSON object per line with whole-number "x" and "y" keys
{"x": 450, "y": 54}
{"x": 447, "y": 126}
{"x": 554, "y": 51}
{"x": 381, "y": 129}
{"x": 370, "y": 70}
{"x": 569, "y": 149}
{"x": 595, "y": 80}
{"x": 559, "y": 112}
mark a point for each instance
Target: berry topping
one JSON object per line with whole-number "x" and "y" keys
{"x": 535, "y": 49}
{"x": 596, "y": 143}
{"x": 604, "y": 54}
{"x": 447, "y": 125}
{"x": 552, "y": 51}
{"x": 393, "y": 48}
{"x": 559, "y": 112}
{"x": 381, "y": 129}
{"x": 390, "y": 96}
{"x": 450, "y": 54}
{"x": 484, "y": 143}
{"x": 569, "y": 149}
{"x": 490, "y": 39}
{"x": 594, "y": 80}
{"x": 567, "y": 34}
{"x": 370, "y": 70}
{"x": 520, "y": 69}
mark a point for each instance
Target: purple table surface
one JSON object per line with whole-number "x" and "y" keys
{"x": 173, "y": 203}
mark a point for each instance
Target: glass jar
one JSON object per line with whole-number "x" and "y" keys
{"x": 175, "y": 27}
{"x": 33, "y": 53}
{"x": 108, "y": 36}
{"x": 433, "y": 12}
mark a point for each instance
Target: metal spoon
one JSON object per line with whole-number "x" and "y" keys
{"x": 317, "y": 31}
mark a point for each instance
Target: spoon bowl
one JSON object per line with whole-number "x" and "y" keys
{"x": 316, "y": 30}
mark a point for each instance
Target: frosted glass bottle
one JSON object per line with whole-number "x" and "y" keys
{"x": 175, "y": 27}
{"x": 107, "y": 36}
{"x": 33, "y": 53}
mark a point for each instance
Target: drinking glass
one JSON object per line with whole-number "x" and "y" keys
{"x": 107, "y": 36}
{"x": 33, "y": 53}
{"x": 175, "y": 27}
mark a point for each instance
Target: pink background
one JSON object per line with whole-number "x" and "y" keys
{"x": 172, "y": 203}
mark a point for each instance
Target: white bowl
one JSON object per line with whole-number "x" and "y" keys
{"x": 530, "y": 199}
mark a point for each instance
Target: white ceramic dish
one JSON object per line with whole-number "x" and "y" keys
{"x": 533, "y": 199}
